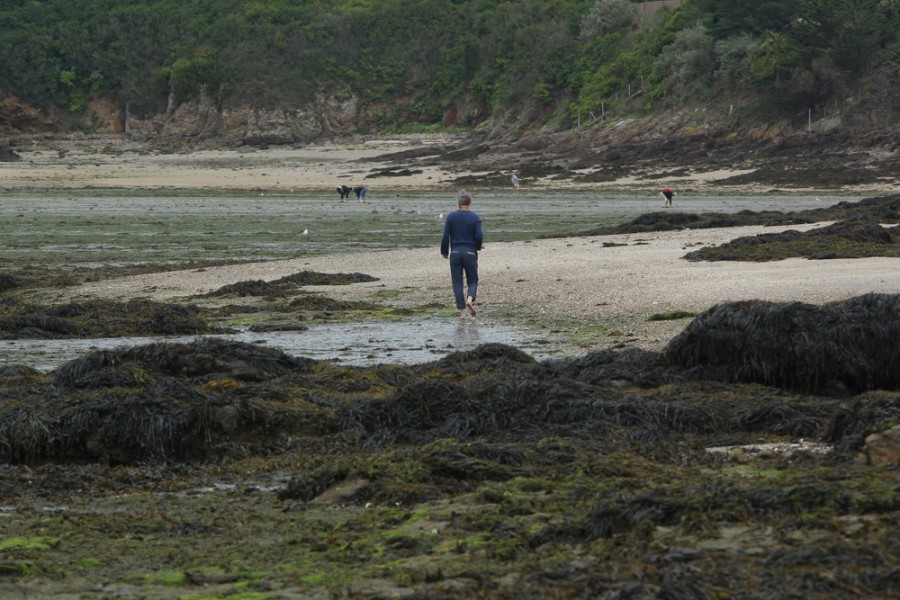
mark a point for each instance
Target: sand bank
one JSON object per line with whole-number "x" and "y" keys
{"x": 613, "y": 283}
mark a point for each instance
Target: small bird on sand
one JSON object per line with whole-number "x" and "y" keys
{"x": 305, "y": 232}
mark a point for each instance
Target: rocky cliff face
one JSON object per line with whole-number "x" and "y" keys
{"x": 198, "y": 121}
{"x": 19, "y": 117}
{"x": 201, "y": 121}
{"x": 331, "y": 115}
{"x": 833, "y": 151}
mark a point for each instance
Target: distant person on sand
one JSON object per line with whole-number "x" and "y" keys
{"x": 667, "y": 196}
{"x": 515, "y": 182}
{"x": 360, "y": 192}
{"x": 462, "y": 240}
{"x": 344, "y": 191}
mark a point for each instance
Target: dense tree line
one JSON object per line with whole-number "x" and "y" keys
{"x": 420, "y": 60}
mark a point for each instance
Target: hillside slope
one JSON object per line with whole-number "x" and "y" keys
{"x": 543, "y": 87}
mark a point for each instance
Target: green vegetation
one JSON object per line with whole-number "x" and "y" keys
{"x": 33, "y": 543}
{"x": 428, "y": 63}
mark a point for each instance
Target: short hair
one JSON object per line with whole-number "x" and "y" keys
{"x": 464, "y": 198}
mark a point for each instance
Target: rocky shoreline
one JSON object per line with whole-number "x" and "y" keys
{"x": 214, "y": 469}
{"x": 627, "y": 155}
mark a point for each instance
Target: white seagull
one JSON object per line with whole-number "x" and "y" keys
{"x": 305, "y": 232}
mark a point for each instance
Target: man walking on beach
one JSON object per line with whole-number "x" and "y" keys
{"x": 462, "y": 240}
{"x": 515, "y": 182}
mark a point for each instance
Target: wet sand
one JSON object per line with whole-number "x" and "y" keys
{"x": 612, "y": 283}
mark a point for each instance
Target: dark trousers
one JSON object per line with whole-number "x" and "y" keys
{"x": 464, "y": 262}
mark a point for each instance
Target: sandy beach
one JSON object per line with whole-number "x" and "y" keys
{"x": 99, "y": 162}
{"x": 566, "y": 282}
{"x": 82, "y": 161}
{"x": 612, "y": 283}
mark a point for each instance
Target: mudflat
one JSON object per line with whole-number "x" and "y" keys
{"x": 614, "y": 282}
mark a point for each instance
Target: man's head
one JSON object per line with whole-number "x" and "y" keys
{"x": 464, "y": 198}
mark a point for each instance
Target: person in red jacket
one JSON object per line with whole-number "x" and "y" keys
{"x": 667, "y": 195}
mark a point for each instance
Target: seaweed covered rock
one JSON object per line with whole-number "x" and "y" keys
{"x": 633, "y": 365}
{"x": 9, "y": 282}
{"x": 868, "y": 414}
{"x": 425, "y": 409}
{"x": 315, "y": 278}
{"x": 212, "y": 400}
{"x": 674, "y": 221}
{"x": 7, "y": 154}
{"x": 241, "y": 289}
{"x": 103, "y": 318}
{"x": 157, "y": 403}
{"x": 854, "y": 345}
{"x": 882, "y": 209}
{"x": 315, "y": 302}
{"x": 36, "y": 326}
{"x": 854, "y": 238}
{"x": 147, "y": 426}
{"x": 205, "y": 358}
{"x": 288, "y": 284}
{"x": 487, "y": 357}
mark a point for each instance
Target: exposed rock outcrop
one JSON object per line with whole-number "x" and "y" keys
{"x": 201, "y": 121}
{"x": 17, "y": 116}
{"x": 883, "y": 448}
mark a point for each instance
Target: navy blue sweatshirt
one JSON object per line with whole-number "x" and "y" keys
{"x": 462, "y": 231}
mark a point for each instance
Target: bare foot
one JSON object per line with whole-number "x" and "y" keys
{"x": 462, "y": 314}
{"x": 470, "y": 304}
